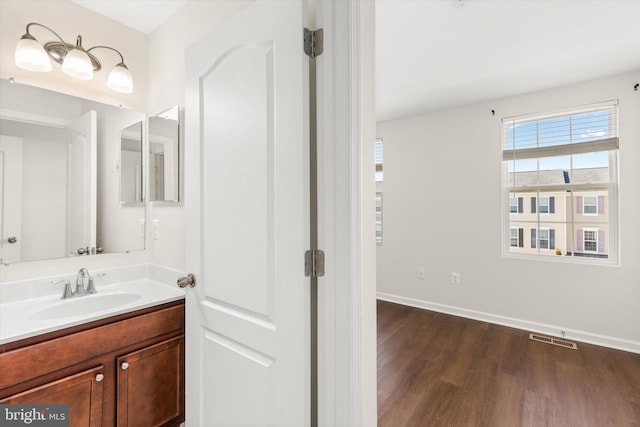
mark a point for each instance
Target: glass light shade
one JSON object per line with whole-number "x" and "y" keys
{"x": 30, "y": 55}
{"x": 120, "y": 79}
{"x": 77, "y": 64}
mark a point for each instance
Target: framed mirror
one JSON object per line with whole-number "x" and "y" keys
{"x": 164, "y": 156}
{"x": 60, "y": 192}
{"x": 131, "y": 189}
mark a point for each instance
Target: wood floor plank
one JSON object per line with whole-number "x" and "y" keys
{"x": 441, "y": 370}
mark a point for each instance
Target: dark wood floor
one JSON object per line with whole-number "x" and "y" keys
{"x": 440, "y": 370}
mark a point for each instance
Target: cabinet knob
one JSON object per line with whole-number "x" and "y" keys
{"x": 99, "y": 377}
{"x": 124, "y": 366}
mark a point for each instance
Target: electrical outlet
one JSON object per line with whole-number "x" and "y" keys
{"x": 455, "y": 278}
{"x": 420, "y": 273}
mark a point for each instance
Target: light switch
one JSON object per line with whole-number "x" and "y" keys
{"x": 156, "y": 229}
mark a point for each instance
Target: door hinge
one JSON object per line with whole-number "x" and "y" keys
{"x": 314, "y": 263}
{"x": 313, "y": 42}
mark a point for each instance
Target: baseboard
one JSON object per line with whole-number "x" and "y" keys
{"x": 551, "y": 330}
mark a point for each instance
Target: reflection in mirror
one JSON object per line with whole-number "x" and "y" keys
{"x": 59, "y": 177}
{"x": 164, "y": 148}
{"x": 131, "y": 164}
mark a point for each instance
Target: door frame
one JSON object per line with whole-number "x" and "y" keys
{"x": 346, "y": 214}
{"x": 347, "y": 383}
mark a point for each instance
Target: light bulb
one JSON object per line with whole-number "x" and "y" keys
{"x": 77, "y": 64}
{"x": 120, "y": 79}
{"x": 30, "y": 55}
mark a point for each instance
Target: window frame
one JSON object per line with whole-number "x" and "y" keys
{"x": 379, "y": 159}
{"x": 594, "y": 205}
{"x": 611, "y": 188}
{"x": 379, "y": 222}
{"x": 547, "y": 239}
{"x": 513, "y": 208}
{"x": 595, "y": 240}
{"x": 546, "y": 205}
{"x": 517, "y": 236}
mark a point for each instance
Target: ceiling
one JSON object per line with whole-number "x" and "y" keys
{"x": 438, "y": 54}
{"x": 141, "y": 15}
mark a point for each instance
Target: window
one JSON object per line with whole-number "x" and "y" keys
{"x": 516, "y": 237}
{"x": 515, "y": 205}
{"x": 590, "y": 205}
{"x": 563, "y": 165}
{"x": 545, "y": 205}
{"x": 379, "y": 174}
{"x": 545, "y": 236}
{"x": 379, "y": 218}
{"x": 590, "y": 240}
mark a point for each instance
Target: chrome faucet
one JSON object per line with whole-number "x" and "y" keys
{"x": 80, "y": 289}
{"x": 82, "y": 273}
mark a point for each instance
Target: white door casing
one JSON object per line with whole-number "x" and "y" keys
{"x": 10, "y": 198}
{"x": 82, "y": 138}
{"x": 246, "y": 136}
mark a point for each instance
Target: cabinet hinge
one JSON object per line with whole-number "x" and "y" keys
{"x": 313, "y": 42}
{"x": 314, "y": 263}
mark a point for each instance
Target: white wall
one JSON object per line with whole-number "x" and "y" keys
{"x": 442, "y": 211}
{"x": 166, "y": 89}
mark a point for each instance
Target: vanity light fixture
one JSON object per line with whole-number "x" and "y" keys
{"x": 76, "y": 61}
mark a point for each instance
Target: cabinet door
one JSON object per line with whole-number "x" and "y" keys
{"x": 81, "y": 391}
{"x": 151, "y": 385}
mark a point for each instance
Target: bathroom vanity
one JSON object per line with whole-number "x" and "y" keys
{"x": 116, "y": 356}
{"x": 126, "y": 370}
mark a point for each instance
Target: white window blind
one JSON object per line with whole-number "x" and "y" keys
{"x": 379, "y": 160}
{"x": 588, "y": 130}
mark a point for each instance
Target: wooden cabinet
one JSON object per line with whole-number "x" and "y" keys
{"x": 127, "y": 370}
{"x": 151, "y": 384}
{"x": 81, "y": 391}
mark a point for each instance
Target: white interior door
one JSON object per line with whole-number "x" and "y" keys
{"x": 247, "y": 211}
{"x": 82, "y": 138}
{"x": 10, "y": 198}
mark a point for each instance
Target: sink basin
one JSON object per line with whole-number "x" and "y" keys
{"x": 84, "y": 305}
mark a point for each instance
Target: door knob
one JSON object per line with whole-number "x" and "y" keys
{"x": 99, "y": 377}
{"x": 124, "y": 366}
{"x": 12, "y": 239}
{"x": 189, "y": 280}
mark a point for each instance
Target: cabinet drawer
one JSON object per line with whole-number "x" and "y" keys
{"x": 38, "y": 359}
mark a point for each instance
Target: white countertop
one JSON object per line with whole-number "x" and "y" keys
{"x": 30, "y": 316}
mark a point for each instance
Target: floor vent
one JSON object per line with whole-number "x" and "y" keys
{"x": 554, "y": 341}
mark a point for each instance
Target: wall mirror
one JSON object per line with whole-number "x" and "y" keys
{"x": 59, "y": 177}
{"x": 131, "y": 164}
{"x": 164, "y": 156}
